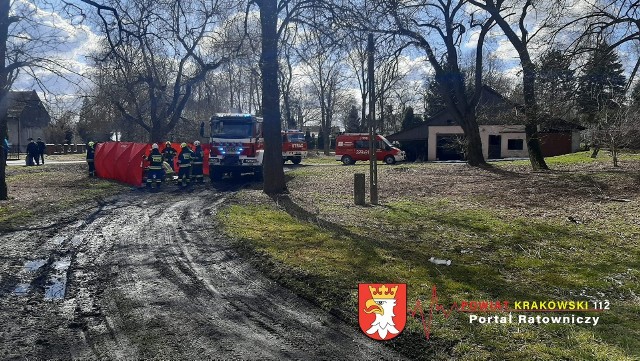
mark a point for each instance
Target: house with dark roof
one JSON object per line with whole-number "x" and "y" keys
{"x": 26, "y": 118}
{"x": 502, "y": 132}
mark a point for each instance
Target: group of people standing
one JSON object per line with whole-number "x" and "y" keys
{"x": 190, "y": 164}
{"x": 35, "y": 152}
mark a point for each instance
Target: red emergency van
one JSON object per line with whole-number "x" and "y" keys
{"x": 352, "y": 147}
{"x": 294, "y": 146}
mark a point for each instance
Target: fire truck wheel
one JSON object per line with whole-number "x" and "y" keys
{"x": 215, "y": 175}
{"x": 296, "y": 160}
{"x": 389, "y": 159}
{"x": 347, "y": 160}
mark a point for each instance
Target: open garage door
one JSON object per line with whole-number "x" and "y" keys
{"x": 450, "y": 147}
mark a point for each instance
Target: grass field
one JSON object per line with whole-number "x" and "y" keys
{"x": 572, "y": 233}
{"x": 47, "y": 190}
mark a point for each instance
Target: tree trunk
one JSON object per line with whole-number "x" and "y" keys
{"x": 596, "y": 150}
{"x": 274, "y": 181}
{"x": 157, "y": 135}
{"x": 363, "y": 112}
{"x": 4, "y": 91}
{"x": 534, "y": 148}
{"x": 614, "y": 153}
{"x": 475, "y": 157}
{"x": 531, "y": 112}
{"x": 326, "y": 137}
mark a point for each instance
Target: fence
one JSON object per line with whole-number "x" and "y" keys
{"x": 65, "y": 148}
{"x": 15, "y": 152}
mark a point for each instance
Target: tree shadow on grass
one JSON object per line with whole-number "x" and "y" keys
{"x": 501, "y": 172}
{"x": 367, "y": 255}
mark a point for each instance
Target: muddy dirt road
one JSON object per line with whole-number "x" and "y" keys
{"x": 147, "y": 275}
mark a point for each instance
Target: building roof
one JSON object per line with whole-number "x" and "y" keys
{"x": 27, "y": 106}
{"x": 552, "y": 125}
{"x": 18, "y": 100}
{"x": 493, "y": 109}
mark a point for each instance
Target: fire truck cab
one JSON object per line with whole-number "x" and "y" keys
{"x": 352, "y": 147}
{"x": 294, "y": 146}
{"x": 236, "y": 145}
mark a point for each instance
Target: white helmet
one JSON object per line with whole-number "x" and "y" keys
{"x": 196, "y": 143}
{"x": 154, "y": 146}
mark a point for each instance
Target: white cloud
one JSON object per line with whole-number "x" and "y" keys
{"x": 58, "y": 39}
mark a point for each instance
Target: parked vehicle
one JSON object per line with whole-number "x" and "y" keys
{"x": 236, "y": 144}
{"x": 352, "y": 147}
{"x": 294, "y": 146}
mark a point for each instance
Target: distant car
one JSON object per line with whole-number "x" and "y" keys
{"x": 353, "y": 147}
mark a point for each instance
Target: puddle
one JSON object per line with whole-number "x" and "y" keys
{"x": 22, "y": 289}
{"x": 33, "y": 266}
{"x": 58, "y": 240}
{"x": 57, "y": 282}
{"x": 76, "y": 240}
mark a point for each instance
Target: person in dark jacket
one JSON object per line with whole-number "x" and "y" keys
{"x": 184, "y": 162}
{"x": 90, "y": 156}
{"x": 32, "y": 152}
{"x": 169, "y": 155}
{"x": 155, "y": 173}
{"x": 41, "y": 149}
{"x": 198, "y": 160}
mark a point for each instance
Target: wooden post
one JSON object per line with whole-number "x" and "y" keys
{"x": 359, "y": 189}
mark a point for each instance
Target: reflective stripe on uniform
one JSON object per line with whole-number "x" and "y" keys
{"x": 185, "y": 165}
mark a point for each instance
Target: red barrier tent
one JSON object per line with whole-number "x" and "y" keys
{"x": 123, "y": 161}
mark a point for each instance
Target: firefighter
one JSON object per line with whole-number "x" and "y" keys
{"x": 184, "y": 162}
{"x": 155, "y": 173}
{"x": 90, "y": 155}
{"x": 169, "y": 155}
{"x": 198, "y": 159}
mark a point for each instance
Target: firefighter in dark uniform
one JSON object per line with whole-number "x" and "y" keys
{"x": 169, "y": 155}
{"x": 198, "y": 160}
{"x": 90, "y": 156}
{"x": 155, "y": 173}
{"x": 184, "y": 162}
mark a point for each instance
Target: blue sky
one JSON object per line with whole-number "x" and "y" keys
{"x": 71, "y": 40}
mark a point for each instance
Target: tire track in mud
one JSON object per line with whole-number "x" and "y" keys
{"x": 152, "y": 277}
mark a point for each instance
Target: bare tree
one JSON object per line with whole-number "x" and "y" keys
{"x": 325, "y": 64}
{"x": 435, "y": 26}
{"x": 503, "y": 13}
{"x": 26, "y": 47}
{"x": 158, "y": 51}
{"x": 614, "y": 21}
{"x": 616, "y": 129}
{"x": 388, "y": 76}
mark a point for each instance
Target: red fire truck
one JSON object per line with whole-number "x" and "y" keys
{"x": 352, "y": 147}
{"x": 294, "y": 146}
{"x": 236, "y": 145}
